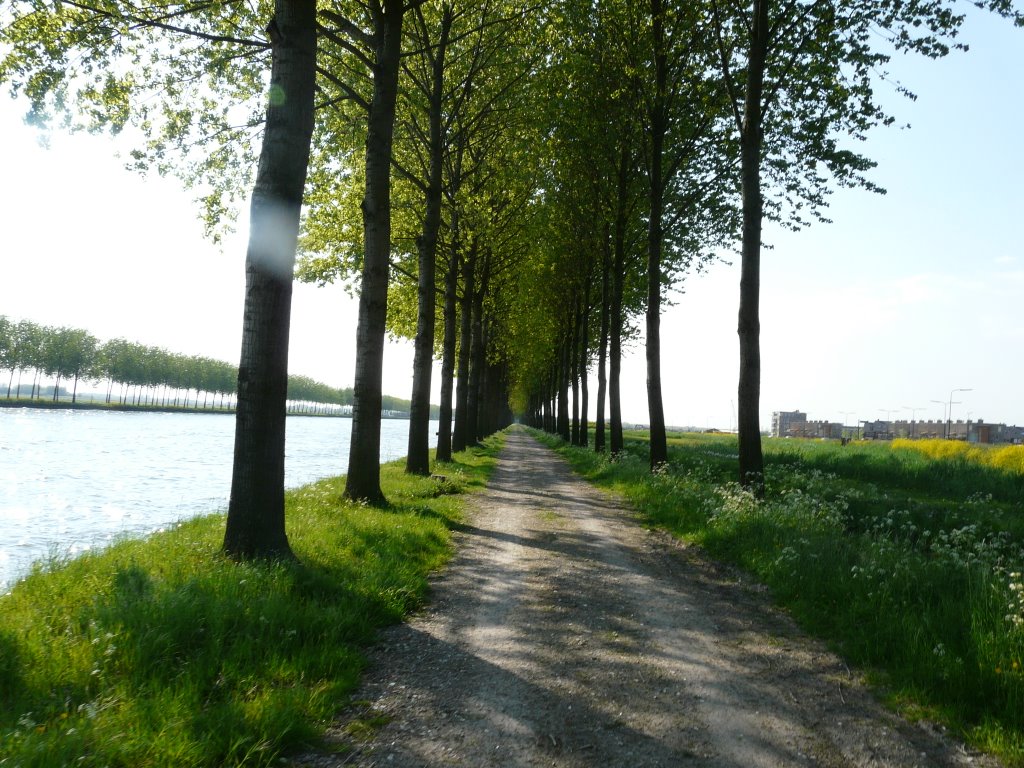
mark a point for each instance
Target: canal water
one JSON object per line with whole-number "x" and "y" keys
{"x": 74, "y": 480}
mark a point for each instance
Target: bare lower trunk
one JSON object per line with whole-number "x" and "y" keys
{"x": 444, "y": 427}
{"x": 574, "y": 367}
{"x": 460, "y": 436}
{"x": 476, "y": 369}
{"x": 751, "y": 459}
{"x": 658, "y": 439}
{"x": 602, "y": 374}
{"x": 553, "y": 399}
{"x": 615, "y": 352}
{"x": 418, "y": 458}
{"x": 618, "y": 286}
{"x": 255, "y": 523}
{"x": 584, "y": 352}
{"x": 563, "y": 426}
{"x": 655, "y": 405}
{"x": 363, "y": 480}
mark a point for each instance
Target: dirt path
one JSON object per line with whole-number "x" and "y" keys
{"x": 565, "y": 634}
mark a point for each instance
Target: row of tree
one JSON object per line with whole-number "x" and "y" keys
{"x": 514, "y": 186}
{"x": 140, "y": 374}
{"x": 676, "y": 131}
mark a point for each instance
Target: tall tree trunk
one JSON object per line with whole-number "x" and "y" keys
{"x": 444, "y": 427}
{"x": 476, "y": 368}
{"x": 498, "y": 398}
{"x": 615, "y": 352}
{"x": 555, "y": 387}
{"x": 562, "y": 422}
{"x": 583, "y": 358}
{"x": 574, "y": 367}
{"x": 655, "y": 406}
{"x": 602, "y": 374}
{"x": 618, "y": 286}
{"x": 460, "y": 437}
{"x": 255, "y": 524}
{"x": 545, "y": 410}
{"x": 548, "y": 404}
{"x": 498, "y": 415}
{"x": 418, "y": 457}
{"x": 614, "y": 368}
{"x": 751, "y": 459}
{"x": 484, "y": 422}
{"x": 363, "y": 481}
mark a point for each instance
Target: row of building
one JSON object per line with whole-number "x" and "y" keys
{"x": 795, "y": 424}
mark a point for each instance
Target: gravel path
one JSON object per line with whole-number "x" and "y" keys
{"x": 565, "y": 634}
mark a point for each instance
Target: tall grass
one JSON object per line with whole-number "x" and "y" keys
{"x": 911, "y": 566}
{"x": 161, "y": 652}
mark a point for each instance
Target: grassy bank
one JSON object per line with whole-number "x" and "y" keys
{"x": 160, "y": 652}
{"x": 910, "y": 565}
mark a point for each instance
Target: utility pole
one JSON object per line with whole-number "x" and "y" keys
{"x": 949, "y": 416}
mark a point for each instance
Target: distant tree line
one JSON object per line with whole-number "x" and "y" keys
{"x": 136, "y": 374}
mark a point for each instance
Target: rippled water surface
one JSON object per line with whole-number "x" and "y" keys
{"x": 72, "y": 480}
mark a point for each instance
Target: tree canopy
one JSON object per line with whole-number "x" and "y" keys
{"x": 512, "y": 185}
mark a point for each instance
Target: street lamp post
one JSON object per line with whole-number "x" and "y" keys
{"x": 949, "y": 416}
{"x": 913, "y": 419}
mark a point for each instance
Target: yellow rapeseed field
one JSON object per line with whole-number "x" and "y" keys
{"x": 1007, "y": 457}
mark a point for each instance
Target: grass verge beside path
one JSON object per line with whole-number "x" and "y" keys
{"x": 909, "y": 565}
{"x": 161, "y": 652}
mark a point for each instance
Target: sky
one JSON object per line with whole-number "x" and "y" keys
{"x": 902, "y": 299}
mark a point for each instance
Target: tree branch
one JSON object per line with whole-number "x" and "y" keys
{"x": 350, "y": 93}
{"x": 726, "y": 69}
{"x": 139, "y": 21}
{"x": 350, "y": 29}
{"x": 345, "y": 44}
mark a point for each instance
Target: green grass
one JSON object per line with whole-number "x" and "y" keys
{"x": 161, "y": 652}
{"x": 909, "y": 566}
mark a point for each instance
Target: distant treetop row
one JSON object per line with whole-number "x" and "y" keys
{"x": 73, "y": 355}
